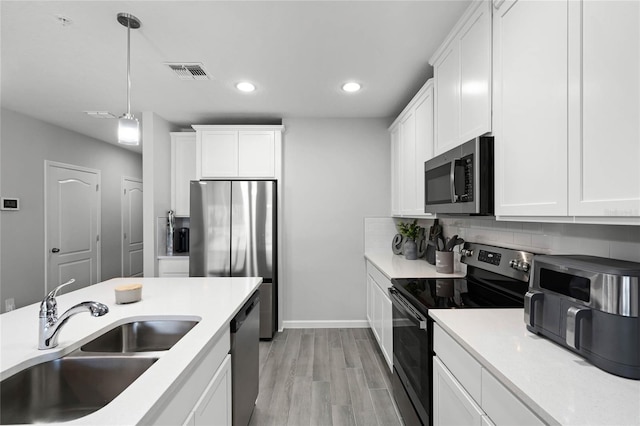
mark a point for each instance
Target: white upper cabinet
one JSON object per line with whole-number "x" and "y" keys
{"x": 447, "y": 106}
{"x": 256, "y": 154}
{"x": 604, "y": 142}
{"x": 530, "y": 107}
{"x": 217, "y": 153}
{"x": 183, "y": 170}
{"x": 411, "y": 146}
{"x": 238, "y": 151}
{"x": 408, "y": 171}
{"x": 462, "y": 74}
{"x": 396, "y": 184}
{"x": 567, "y": 110}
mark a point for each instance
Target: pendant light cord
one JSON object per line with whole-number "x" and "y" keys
{"x": 128, "y": 68}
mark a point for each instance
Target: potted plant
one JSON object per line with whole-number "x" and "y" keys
{"x": 410, "y": 231}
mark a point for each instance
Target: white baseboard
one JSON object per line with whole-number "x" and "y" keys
{"x": 326, "y": 324}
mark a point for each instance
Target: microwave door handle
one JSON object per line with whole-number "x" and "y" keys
{"x": 452, "y": 181}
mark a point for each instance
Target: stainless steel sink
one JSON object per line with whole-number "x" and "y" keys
{"x": 67, "y": 388}
{"x": 141, "y": 336}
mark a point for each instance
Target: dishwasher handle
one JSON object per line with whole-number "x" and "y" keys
{"x": 244, "y": 312}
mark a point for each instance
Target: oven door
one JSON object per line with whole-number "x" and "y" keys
{"x": 412, "y": 358}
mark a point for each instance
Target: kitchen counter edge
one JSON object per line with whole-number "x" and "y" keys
{"x": 552, "y": 381}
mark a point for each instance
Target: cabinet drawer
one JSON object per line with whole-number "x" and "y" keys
{"x": 502, "y": 406}
{"x": 378, "y": 277}
{"x": 463, "y": 366}
{"x": 174, "y": 267}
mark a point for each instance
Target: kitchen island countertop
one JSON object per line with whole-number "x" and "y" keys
{"x": 558, "y": 385}
{"x": 212, "y": 301}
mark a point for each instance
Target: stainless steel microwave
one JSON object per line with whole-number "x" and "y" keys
{"x": 460, "y": 181}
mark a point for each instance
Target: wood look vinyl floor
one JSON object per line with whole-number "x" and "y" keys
{"x": 324, "y": 377}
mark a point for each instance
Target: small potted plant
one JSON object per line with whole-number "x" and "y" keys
{"x": 411, "y": 232}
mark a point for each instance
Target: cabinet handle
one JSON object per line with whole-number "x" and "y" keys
{"x": 55, "y": 250}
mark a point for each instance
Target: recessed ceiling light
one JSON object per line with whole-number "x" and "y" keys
{"x": 245, "y": 86}
{"x": 351, "y": 87}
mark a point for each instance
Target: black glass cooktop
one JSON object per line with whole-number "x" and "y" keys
{"x": 460, "y": 293}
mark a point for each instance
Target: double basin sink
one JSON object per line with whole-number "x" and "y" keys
{"x": 87, "y": 379}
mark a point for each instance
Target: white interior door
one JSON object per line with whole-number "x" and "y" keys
{"x": 72, "y": 225}
{"x": 132, "y": 259}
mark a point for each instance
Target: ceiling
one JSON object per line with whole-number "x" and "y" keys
{"x": 297, "y": 53}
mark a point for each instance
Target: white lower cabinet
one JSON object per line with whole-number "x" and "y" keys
{"x": 214, "y": 406}
{"x": 465, "y": 393}
{"x": 379, "y": 311}
{"x": 202, "y": 396}
{"x": 452, "y": 405}
{"x": 177, "y": 267}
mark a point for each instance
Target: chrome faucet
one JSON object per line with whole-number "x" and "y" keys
{"x": 50, "y": 325}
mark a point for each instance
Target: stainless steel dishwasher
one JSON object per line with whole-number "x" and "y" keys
{"x": 245, "y": 336}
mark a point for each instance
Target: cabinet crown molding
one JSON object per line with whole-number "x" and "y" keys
{"x": 270, "y": 127}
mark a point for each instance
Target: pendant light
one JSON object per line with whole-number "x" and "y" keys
{"x": 128, "y": 125}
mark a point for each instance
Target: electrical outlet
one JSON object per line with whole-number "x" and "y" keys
{"x": 9, "y": 304}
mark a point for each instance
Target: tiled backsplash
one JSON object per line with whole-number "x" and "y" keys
{"x": 615, "y": 241}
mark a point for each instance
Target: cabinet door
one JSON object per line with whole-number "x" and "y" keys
{"x": 183, "y": 170}
{"x": 604, "y": 148}
{"x": 452, "y": 405}
{"x": 370, "y": 285}
{"x": 218, "y": 153}
{"x": 387, "y": 330}
{"x": 424, "y": 146}
{"x": 376, "y": 312}
{"x": 396, "y": 185}
{"x": 530, "y": 107}
{"x": 256, "y": 154}
{"x": 407, "y": 164}
{"x": 475, "y": 74}
{"x": 214, "y": 407}
{"x": 447, "y": 99}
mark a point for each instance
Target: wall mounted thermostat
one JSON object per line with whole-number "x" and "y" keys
{"x": 8, "y": 203}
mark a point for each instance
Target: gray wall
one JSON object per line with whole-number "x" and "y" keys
{"x": 336, "y": 172}
{"x": 25, "y": 144}
{"x": 156, "y": 149}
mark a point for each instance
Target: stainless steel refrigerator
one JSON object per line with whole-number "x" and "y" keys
{"x": 233, "y": 234}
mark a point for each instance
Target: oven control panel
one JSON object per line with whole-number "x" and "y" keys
{"x": 489, "y": 257}
{"x": 508, "y": 262}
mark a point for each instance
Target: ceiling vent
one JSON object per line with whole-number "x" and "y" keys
{"x": 191, "y": 71}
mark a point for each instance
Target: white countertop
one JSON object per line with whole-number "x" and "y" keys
{"x": 212, "y": 301}
{"x": 177, "y": 256}
{"x": 558, "y": 385}
{"x": 396, "y": 266}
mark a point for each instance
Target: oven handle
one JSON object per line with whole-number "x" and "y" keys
{"x": 407, "y": 307}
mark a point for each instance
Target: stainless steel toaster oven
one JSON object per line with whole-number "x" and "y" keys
{"x": 589, "y": 305}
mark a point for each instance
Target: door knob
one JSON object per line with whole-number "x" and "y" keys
{"x": 55, "y": 250}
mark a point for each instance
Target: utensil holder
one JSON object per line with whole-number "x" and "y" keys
{"x": 444, "y": 262}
